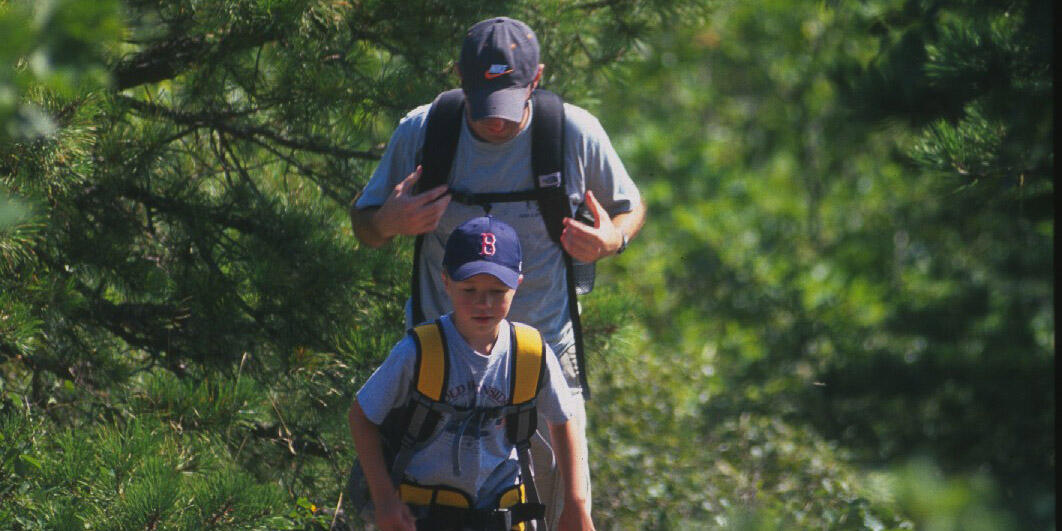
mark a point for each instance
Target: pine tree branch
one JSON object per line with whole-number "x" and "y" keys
{"x": 216, "y": 120}
{"x": 185, "y": 210}
{"x": 310, "y": 174}
{"x": 308, "y": 443}
{"x": 162, "y": 61}
{"x": 167, "y": 58}
{"x": 136, "y": 324}
{"x": 592, "y": 6}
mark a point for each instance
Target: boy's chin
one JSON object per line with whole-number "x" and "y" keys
{"x": 482, "y": 324}
{"x": 485, "y": 324}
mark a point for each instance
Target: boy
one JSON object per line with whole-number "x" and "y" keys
{"x": 469, "y": 451}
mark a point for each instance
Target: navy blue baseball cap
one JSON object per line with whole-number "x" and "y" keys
{"x": 499, "y": 61}
{"x": 484, "y": 245}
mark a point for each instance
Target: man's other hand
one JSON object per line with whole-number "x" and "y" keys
{"x": 591, "y": 243}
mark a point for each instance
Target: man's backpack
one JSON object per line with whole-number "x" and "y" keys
{"x": 547, "y": 165}
{"x": 409, "y": 428}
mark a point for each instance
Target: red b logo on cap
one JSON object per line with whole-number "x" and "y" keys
{"x": 487, "y": 244}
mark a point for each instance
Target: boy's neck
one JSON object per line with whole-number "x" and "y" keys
{"x": 481, "y": 342}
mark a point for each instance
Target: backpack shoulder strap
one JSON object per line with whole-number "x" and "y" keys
{"x": 547, "y": 163}
{"x": 440, "y": 139}
{"x": 547, "y": 159}
{"x": 425, "y": 408}
{"x": 431, "y": 367}
{"x": 529, "y": 363}
{"x": 441, "y": 134}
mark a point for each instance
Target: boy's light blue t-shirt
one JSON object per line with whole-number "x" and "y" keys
{"x": 488, "y": 463}
{"x": 590, "y": 163}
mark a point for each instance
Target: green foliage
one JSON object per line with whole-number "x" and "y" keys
{"x": 10, "y": 211}
{"x": 178, "y": 285}
{"x": 935, "y": 501}
{"x": 57, "y": 45}
{"x": 659, "y": 463}
{"x": 129, "y": 475}
{"x": 886, "y": 287}
{"x": 847, "y": 263}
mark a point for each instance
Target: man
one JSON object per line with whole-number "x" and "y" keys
{"x": 500, "y": 70}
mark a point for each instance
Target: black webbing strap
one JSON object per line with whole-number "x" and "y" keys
{"x": 527, "y": 511}
{"x": 527, "y": 471}
{"x": 440, "y": 139}
{"x": 486, "y": 199}
{"x": 577, "y": 327}
{"x": 547, "y": 161}
{"x": 424, "y": 417}
{"x": 437, "y": 156}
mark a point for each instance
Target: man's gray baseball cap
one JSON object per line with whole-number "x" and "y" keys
{"x": 499, "y": 60}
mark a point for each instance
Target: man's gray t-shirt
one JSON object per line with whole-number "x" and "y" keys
{"x": 487, "y": 462}
{"x": 590, "y": 162}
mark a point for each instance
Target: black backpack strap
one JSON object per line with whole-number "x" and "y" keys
{"x": 440, "y": 139}
{"x": 437, "y": 157}
{"x": 485, "y": 200}
{"x": 547, "y": 160}
{"x": 547, "y": 163}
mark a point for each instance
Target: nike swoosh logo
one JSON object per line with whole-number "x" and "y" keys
{"x": 489, "y": 75}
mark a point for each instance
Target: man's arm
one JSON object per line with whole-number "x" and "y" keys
{"x": 403, "y": 212}
{"x": 630, "y": 222}
{"x": 568, "y": 451}
{"x": 390, "y": 512}
{"x": 364, "y": 227}
{"x": 588, "y": 243}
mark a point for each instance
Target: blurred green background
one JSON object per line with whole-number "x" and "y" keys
{"x": 838, "y": 316}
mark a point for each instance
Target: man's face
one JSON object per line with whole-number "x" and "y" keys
{"x": 495, "y": 130}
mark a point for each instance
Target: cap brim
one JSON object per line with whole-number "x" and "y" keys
{"x": 504, "y": 274}
{"x": 503, "y": 103}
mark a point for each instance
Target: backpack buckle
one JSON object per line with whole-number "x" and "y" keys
{"x": 500, "y": 519}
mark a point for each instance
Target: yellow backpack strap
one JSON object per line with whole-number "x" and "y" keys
{"x": 529, "y": 363}
{"x": 431, "y": 370}
{"x": 425, "y": 405}
{"x": 529, "y": 366}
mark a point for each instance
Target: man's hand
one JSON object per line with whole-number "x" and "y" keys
{"x": 589, "y": 244}
{"x": 393, "y": 515}
{"x": 404, "y": 212}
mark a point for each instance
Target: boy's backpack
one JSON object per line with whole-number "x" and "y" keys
{"x": 409, "y": 428}
{"x": 547, "y": 165}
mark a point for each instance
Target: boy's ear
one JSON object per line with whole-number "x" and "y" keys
{"x": 445, "y": 279}
{"x": 519, "y": 280}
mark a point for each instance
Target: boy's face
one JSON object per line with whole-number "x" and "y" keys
{"x": 480, "y": 303}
